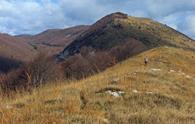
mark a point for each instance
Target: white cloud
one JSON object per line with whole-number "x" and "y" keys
{"x": 33, "y": 16}
{"x": 159, "y": 8}
{"x": 191, "y": 25}
{"x": 29, "y": 16}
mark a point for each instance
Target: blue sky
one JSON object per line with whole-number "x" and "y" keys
{"x": 35, "y": 16}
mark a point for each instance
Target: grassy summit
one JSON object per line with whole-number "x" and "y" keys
{"x": 162, "y": 92}
{"x": 118, "y": 28}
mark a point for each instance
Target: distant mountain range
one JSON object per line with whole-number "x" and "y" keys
{"x": 15, "y": 50}
{"x": 117, "y": 34}
{"x": 23, "y": 47}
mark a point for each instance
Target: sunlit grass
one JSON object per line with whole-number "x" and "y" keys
{"x": 160, "y": 92}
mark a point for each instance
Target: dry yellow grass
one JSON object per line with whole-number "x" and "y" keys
{"x": 162, "y": 92}
{"x": 149, "y": 27}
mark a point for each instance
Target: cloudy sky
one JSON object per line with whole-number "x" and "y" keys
{"x": 34, "y": 16}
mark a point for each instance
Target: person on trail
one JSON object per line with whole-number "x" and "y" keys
{"x": 146, "y": 60}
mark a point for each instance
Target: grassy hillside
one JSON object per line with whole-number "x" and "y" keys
{"x": 161, "y": 92}
{"x": 153, "y": 33}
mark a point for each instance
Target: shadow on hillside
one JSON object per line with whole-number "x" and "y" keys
{"x": 7, "y": 64}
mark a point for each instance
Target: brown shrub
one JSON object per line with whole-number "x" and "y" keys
{"x": 88, "y": 62}
{"x": 101, "y": 60}
{"x": 77, "y": 67}
{"x": 124, "y": 51}
{"x": 127, "y": 49}
{"x": 12, "y": 81}
{"x": 39, "y": 71}
{"x": 8, "y": 64}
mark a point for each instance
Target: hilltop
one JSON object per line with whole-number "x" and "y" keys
{"x": 162, "y": 92}
{"x": 118, "y": 29}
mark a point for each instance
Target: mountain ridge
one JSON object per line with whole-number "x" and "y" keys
{"x": 116, "y": 36}
{"x": 119, "y": 26}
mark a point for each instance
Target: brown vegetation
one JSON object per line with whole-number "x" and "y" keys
{"x": 7, "y": 64}
{"x": 31, "y": 74}
{"x": 82, "y": 65}
{"x": 127, "y": 49}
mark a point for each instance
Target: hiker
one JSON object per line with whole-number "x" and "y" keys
{"x": 146, "y": 60}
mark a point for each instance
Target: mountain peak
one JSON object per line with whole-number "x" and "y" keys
{"x": 107, "y": 19}
{"x": 117, "y": 28}
{"x": 117, "y": 15}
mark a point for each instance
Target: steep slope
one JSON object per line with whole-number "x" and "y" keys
{"x": 161, "y": 92}
{"x": 53, "y": 40}
{"x": 118, "y": 28}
